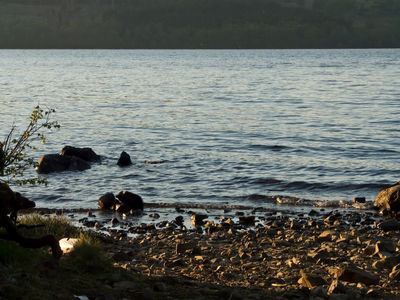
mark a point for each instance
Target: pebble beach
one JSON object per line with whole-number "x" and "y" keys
{"x": 260, "y": 254}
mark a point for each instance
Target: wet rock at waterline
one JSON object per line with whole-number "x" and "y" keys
{"x": 122, "y": 208}
{"x": 198, "y": 219}
{"x": 132, "y": 200}
{"x": 248, "y": 220}
{"x": 107, "y": 201}
{"x": 124, "y": 160}
{"x": 359, "y": 200}
{"x": 126, "y": 202}
{"x": 50, "y": 163}
{"x": 86, "y": 153}
{"x": 389, "y": 199}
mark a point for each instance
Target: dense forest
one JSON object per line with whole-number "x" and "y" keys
{"x": 199, "y": 23}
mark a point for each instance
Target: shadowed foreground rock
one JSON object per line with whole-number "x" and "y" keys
{"x": 10, "y": 204}
{"x": 356, "y": 275}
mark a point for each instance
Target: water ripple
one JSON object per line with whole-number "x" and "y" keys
{"x": 233, "y": 125}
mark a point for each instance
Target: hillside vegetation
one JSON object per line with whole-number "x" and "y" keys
{"x": 199, "y": 23}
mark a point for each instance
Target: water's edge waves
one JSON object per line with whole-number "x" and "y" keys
{"x": 223, "y": 127}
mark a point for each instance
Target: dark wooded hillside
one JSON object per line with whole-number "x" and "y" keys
{"x": 199, "y": 23}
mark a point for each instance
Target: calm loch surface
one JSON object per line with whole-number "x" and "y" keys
{"x": 233, "y": 126}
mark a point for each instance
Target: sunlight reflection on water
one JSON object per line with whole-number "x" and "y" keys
{"x": 333, "y": 115}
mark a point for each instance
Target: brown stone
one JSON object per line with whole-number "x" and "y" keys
{"x": 247, "y": 220}
{"x": 388, "y": 262}
{"x": 181, "y": 248}
{"x": 373, "y": 294}
{"x": 311, "y": 280}
{"x": 319, "y": 292}
{"x": 325, "y": 236}
{"x": 395, "y": 275}
{"x": 387, "y": 246}
{"x": 243, "y": 255}
{"x": 389, "y": 225}
{"x": 355, "y": 275}
{"x": 389, "y": 199}
{"x": 369, "y": 250}
{"x": 337, "y": 287}
{"x": 198, "y": 219}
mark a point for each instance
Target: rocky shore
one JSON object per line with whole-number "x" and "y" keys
{"x": 261, "y": 254}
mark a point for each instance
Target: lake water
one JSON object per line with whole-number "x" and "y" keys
{"x": 235, "y": 126}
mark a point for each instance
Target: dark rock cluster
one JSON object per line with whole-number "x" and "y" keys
{"x": 124, "y": 202}
{"x": 70, "y": 159}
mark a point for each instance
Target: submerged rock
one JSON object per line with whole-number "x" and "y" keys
{"x": 124, "y": 159}
{"x": 51, "y": 163}
{"x": 86, "y": 154}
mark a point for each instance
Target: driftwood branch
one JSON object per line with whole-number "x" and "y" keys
{"x": 14, "y": 235}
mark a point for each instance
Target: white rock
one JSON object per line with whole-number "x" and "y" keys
{"x": 67, "y": 244}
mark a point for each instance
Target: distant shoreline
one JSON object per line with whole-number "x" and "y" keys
{"x": 174, "y": 24}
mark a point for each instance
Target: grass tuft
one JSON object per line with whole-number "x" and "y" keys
{"x": 58, "y": 226}
{"x": 88, "y": 255}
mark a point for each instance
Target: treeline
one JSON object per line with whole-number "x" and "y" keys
{"x": 199, "y": 23}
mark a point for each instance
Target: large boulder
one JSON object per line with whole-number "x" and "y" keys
{"x": 50, "y": 163}
{"x": 124, "y": 160}
{"x": 122, "y": 208}
{"x": 107, "y": 201}
{"x": 130, "y": 199}
{"x": 86, "y": 154}
{"x": 389, "y": 199}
